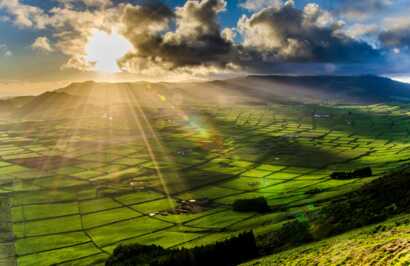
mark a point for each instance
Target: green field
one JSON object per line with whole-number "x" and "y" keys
{"x": 73, "y": 189}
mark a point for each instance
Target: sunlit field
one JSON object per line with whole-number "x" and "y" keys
{"x": 152, "y": 166}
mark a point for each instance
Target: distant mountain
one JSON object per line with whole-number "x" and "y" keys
{"x": 347, "y": 89}
{"x": 264, "y": 89}
{"x": 250, "y": 89}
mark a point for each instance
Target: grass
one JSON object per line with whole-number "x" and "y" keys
{"x": 43, "y": 211}
{"x": 187, "y": 217}
{"x": 208, "y": 239}
{"x": 387, "y": 243}
{"x": 44, "y": 243}
{"x": 96, "y": 205}
{"x": 155, "y": 206}
{"x": 49, "y": 226}
{"x": 110, "y": 216}
{"x": 220, "y": 219}
{"x": 114, "y": 233}
{"x": 134, "y": 198}
{"x": 210, "y": 192}
{"x": 6, "y": 170}
{"x": 248, "y": 183}
{"x": 169, "y": 238}
{"x": 60, "y": 255}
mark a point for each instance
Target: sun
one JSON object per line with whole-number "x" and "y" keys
{"x": 105, "y": 49}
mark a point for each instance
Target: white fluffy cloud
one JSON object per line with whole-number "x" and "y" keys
{"x": 24, "y": 16}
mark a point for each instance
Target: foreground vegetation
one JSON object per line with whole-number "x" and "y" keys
{"x": 386, "y": 243}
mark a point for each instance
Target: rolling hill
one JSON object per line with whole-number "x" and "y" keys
{"x": 253, "y": 90}
{"x": 338, "y": 89}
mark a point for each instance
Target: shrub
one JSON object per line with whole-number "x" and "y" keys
{"x": 363, "y": 172}
{"x": 251, "y": 205}
{"x": 359, "y": 173}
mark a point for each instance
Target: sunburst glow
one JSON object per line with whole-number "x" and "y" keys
{"x": 105, "y": 49}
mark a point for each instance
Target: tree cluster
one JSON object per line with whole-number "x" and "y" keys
{"x": 251, "y": 205}
{"x": 226, "y": 253}
{"x": 359, "y": 173}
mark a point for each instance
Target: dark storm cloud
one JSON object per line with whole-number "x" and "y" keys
{"x": 196, "y": 40}
{"x": 149, "y": 17}
{"x": 287, "y": 34}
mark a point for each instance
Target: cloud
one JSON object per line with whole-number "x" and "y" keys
{"x": 359, "y": 30}
{"x": 88, "y": 3}
{"x": 196, "y": 42}
{"x": 288, "y": 34}
{"x": 229, "y": 34}
{"x": 256, "y": 5}
{"x": 78, "y": 62}
{"x": 4, "y": 51}
{"x": 70, "y": 25}
{"x": 24, "y": 16}
{"x": 396, "y": 33}
{"x": 396, "y": 38}
{"x": 189, "y": 40}
{"x": 362, "y": 9}
{"x": 72, "y": 28}
{"x": 42, "y": 44}
{"x": 146, "y": 19}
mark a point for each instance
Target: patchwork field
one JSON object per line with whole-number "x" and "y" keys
{"x": 73, "y": 189}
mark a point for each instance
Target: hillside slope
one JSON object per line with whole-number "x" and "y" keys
{"x": 49, "y": 103}
{"x": 387, "y": 243}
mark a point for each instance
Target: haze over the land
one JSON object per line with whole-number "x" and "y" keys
{"x": 46, "y": 43}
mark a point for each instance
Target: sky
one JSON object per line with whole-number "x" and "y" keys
{"x": 49, "y": 42}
